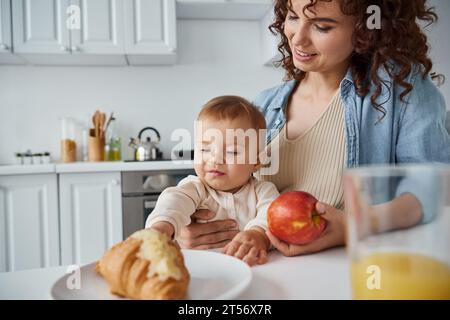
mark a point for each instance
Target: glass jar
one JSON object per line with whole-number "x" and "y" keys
{"x": 68, "y": 143}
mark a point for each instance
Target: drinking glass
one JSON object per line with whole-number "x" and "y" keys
{"x": 398, "y": 231}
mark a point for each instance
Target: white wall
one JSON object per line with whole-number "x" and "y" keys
{"x": 215, "y": 57}
{"x": 439, "y": 39}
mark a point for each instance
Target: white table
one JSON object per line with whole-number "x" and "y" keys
{"x": 324, "y": 275}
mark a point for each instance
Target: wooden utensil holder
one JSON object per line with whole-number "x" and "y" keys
{"x": 96, "y": 147}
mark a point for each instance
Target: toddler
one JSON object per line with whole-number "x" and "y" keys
{"x": 227, "y": 147}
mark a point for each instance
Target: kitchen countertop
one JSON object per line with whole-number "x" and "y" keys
{"x": 78, "y": 167}
{"x": 323, "y": 275}
{"x": 26, "y": 169}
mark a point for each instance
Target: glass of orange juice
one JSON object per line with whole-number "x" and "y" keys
{"x": 398, "y": 231}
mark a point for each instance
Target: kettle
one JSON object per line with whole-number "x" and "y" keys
{"x": 148, "y": 149}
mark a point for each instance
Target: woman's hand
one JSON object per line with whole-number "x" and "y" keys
{"x": 208, "y": 235}
{"x": 333, "y": 235}
{"x": 250, "y": 246}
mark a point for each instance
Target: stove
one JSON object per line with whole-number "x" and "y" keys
{"x": 179, "y": 155}
{"x": 140, "y": 191}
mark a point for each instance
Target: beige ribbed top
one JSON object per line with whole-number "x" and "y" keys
{"x": 314, "y": 162}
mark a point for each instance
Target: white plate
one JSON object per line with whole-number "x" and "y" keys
{"x": 213, "y": 276}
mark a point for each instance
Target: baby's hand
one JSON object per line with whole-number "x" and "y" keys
{"x": 250, "y": 246}
{"x": 164, "y": 227}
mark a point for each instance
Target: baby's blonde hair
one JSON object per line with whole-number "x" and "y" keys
{"x": 231, "y": 108}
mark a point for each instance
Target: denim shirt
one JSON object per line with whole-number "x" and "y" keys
{"x": 412, "y": 131}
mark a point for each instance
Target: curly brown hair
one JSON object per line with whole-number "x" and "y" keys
{"x": 397, "y": 46}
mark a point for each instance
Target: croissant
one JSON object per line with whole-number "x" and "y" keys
{"x": 147, "y": 265}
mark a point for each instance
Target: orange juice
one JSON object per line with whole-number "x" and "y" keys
{"x": 393, "y": 275}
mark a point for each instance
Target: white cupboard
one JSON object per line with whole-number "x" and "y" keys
{"x": 6, "y": 47}
{"x": 150, "y": 28}
{"x": 40, "y": 27}
{"x": 101, "y": 27}
{"x": 91, "y": 215}
{"x": 223, "y": 9}
{"x": 53, "y": 32}
{"x": 100, "y": 37}
{"x": 107, "y": 32}
{"x": 269, "y": 42}
{"x": 5, "y": 26}
{"x": 95, "y": 32}
{"x": 29, "y": 228}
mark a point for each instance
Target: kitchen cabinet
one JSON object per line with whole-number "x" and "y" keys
{"x": 101, "y": 32}
{"x": 150, "y": 31}
{"x": 260, "y": 10}
{"x": 40, "y": 27}
{"x": 6, "y": 48}
{"x": 269, "y": 42}
{"x": 101, "y": 29}
{"x": 5, "y": 26}
{"x": 44, "y": 34}
{"x": 29, "y": 230}
{"x": 109, "y": 32}
{"x": 90, "y": 213}
{"x": 223, "y": 9}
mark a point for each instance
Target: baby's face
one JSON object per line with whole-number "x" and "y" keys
{"x": 225, "y": 162}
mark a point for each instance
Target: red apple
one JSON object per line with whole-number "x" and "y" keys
{"x": 292, "y": 217}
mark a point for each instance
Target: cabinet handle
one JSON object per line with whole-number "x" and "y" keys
{"x": 3, "y": 46}
{"x": 64, "y": 48}
{"x": 115, "y": 182}
{"x": 75, "y": 49}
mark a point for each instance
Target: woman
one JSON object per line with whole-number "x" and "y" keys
{"x": 354, "y": 96}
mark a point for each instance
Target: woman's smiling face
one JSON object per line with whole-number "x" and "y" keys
{"x": 321, "y": 40}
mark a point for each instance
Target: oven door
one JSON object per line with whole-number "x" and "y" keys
{"x": 135, "y": 212}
